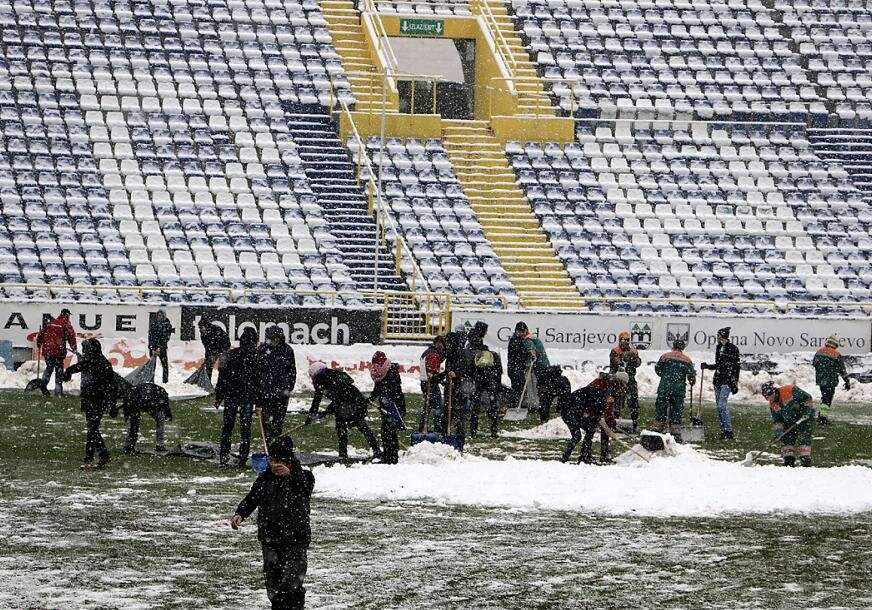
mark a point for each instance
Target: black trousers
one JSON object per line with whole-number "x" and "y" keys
{"x": 390, "y": 442}
{"x": 588, "y": 426}
{"x": 342, "y": 434}
{"x": 284, "y": 570}
{"x": 94, "y": 442}
{"x": 161, "y": 353}
{"x": 273, "y": 410}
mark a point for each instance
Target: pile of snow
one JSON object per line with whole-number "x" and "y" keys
{"x": 430, "y": 453}
{"x": 552, "y": 429}
{"x": 688, "y": 484}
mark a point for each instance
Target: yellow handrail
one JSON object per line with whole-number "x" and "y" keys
{"x": 504, "y": 50}
{"x": 382, "y": 41}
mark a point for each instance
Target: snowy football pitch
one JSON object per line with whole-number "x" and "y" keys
{"x": 151, "y": 532}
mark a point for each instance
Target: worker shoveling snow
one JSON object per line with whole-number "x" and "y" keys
{"x": 682, "y": 482}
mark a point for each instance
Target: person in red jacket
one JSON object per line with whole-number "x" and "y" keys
{"x": 53, "y": 339}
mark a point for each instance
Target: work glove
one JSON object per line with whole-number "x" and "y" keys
{"x": 847, "y": 384}
{"x": 734, "y": 388}
{"x": 704, "y": 366}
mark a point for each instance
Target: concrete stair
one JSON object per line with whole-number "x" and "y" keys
{"x": 343, "y": 19}
{"x": 509, "y": 224}
{"x": 532, "y": 98}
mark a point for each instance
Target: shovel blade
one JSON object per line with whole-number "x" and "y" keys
{"x": 515, "y": 414}
{"x": 424, "y": 437}
{"x": 693, "y": 434}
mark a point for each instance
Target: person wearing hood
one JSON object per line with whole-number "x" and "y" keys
{"x": 347, "y": 404}
{"x": 829, "y": 365}
{"x": 459, "y": 385}
{"x": 726, "y": 379}
{"x": 143, "y": 398}
{"x": 282, "y": 496}
{"x": 278, "y": 375}
{"x": 388, "y": 386}
{"x": 159, "y": 332}
{"x": 52, "y": 340}
{"x": 488, "y": 390}
{"x": 431, "y": 376}
{"x": 98, "y": 395}
{"x": 675, "y": 369}
{"x": 215, "y": 340}
{"x": 238, "y": 389}
{"x": 475, "y": 337}
{"x": 625, "y": 357}
{"x": 586, "y": 409}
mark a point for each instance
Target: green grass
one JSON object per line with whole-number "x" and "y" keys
{"x": 151, "y": 532}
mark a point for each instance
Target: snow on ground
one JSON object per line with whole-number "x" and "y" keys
{"x": 580, "y": 366}
{"x": 689, "y": 484}
{"x": 552, "y": 429}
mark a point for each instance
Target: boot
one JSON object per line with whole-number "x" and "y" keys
{"x": 224, "y": 460}
{"x": 805, "y": 461}
{"x": 87, "y": 465}
{"x": 823, "y": 420}
{"x": 727, "y": 435}
{"x": 790, "y": 461}
{"x": 102, "y": 460}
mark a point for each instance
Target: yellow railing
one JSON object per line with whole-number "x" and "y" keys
{"x": 504, "y": 50}
{"x": 381, "y": 39}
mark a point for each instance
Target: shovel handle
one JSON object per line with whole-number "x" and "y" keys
{"x": 526, "y": 383}
{"x": 781, "y": 436}
{"x": 610, "y": 433}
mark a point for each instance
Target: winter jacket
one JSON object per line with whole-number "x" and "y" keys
{"x": 626, "y": 359}
{"x": 55, "y": 336}
{"x": 215, "y": 341}
{"x": 519, "y": 356}
{"x": 159, "y": 332}
{"x": 347, "y": 403}
{"x": 475, "y": 338}
{"x": 278, "y": 370}
{"x": 144, "y": 398}
{"x": 458, "y": 359}
{"x": 282, "y": 505}
{"x": 675, "y": 369}
{"x": 592, "y": 402}
{"x": 828, "y": 365}
{"x": 488, "y": 377}
{"x": 726, "y": 366}
{"x": 239, "y": 377}
{"x": 431, "y": 365}
{"x": 533, "y": 344}
{"x": 98, "y": 378}
{"x": 391, "y": 387}
{"x": 790, "y": 404}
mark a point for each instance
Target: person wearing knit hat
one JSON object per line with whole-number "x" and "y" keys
{"x": 829, "y": 365}
{"x": 238, "y": 388}
{"x": 387, "y": 388}
{"x": 675, "y": 369}
{"x": 625, "y": 357}
{"x": 282, "y": 496}
{"x": 347, "y": 405}
{"x": 726, "y": 379}
{"x": 278, "y": 375}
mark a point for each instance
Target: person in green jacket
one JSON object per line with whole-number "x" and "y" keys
{"x": 829, "y": 365}
{"x": 675, "y": 369}
{"x": 793, "y": 411}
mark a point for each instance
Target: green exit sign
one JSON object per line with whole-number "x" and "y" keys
{"x": 422, "y": 27}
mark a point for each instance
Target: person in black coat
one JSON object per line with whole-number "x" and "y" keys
{"x": 282, "y": 498}
{"x": 388, "y": 385}
{"x": 458, "y": 383}
{"x": 726, "y": 379}
{"x": 347, "y": 404}
{"x": 548, "y": 380}
{"x": 238, "y": 388}
{"x": 489, "y": 393}
{"x": 159, "y": 332}
{"x": 143, "y": 398}
{"x": 215, "y": 340}
{"x": 519, "y": 359}
{"x": 98, "y": 394}
{"x": 278, "y": 370}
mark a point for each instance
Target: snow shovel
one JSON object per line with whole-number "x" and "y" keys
{"x": 38, "y": 383}
{"x": 517, "y": 413}
{"x": 752, "y": 456}
{"x": 144, "y": 373}
{"x": 455, "y": 440}
{"x": 425, "y": 436}
{"x": 610, "y": 433}
{"x": 389, "y": 409}
{"x": 201, "y": 378}
{"x": 260, "y": 461}
{"x": 654, "y": 441}
{"x": 696, "y": 432}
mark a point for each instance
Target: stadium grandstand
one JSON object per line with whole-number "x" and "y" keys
{"x": 712, "y": 156}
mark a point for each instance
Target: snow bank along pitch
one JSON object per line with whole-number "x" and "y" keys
{"x": 689, "y": 485}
